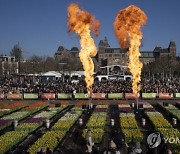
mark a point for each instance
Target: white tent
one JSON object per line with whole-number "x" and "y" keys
{"x": 52, "y": 73}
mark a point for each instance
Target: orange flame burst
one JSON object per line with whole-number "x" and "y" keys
{"x": 82, "y": 22}
{"x": 127, "y": 27}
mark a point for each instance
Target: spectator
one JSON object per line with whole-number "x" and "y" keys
{"x": 89, "y": 141}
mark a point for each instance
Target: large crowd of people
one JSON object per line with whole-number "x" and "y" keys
{"x": 34, "y": 84}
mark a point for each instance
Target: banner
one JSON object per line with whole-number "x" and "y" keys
{"x": 98, "y": 95}
{"x": 14, "y": 96}
{"x": 165, "y": 96}
{"x": 115, "y": 95}
{"x": 148, "y": 95}
{"x": 64, "y": 95}
{"x": 131, "y": 95}
{"x": 81, "y": 96}
{"x": 48, "y": 95}
{"x": 31, "y": 96}
{"x": 177, "y": 95}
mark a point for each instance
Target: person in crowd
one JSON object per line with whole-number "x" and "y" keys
{"x": 130, "y": 150}
{"x": 49, "y": 151}
{"x": 89, "y": 141}
{"x": 26, "y": 84}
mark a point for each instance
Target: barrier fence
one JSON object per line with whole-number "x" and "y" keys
{"x": 177, "y": 95}
{"x": 48, "y": 95}
{"x": 30, "y": 96}
{"x": 81, "y": 96}
{"x": 64, "y": 96}
{"x": 115, "y": 96}
{"x": 14, "y": 96}
{"x": 149, "y": 95}
{"x": 61, "y": 96}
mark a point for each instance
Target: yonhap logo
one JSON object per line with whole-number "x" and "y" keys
{"x": 154, "y": 140}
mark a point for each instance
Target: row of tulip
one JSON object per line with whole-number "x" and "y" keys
{"x": 42, "y": 116}
{"x": 128, "y": 123}
{"x": 130, "y": 128}
{"x": 164, "y": 128}
{"x": 6, "y": 121}
{"x": 65, "y": 122}
{"x": 10, "y": 139}
{"x": 17, "y": 115}
{"x": 23, "y": 113}
{"x": 124, "y": 107}
{"x": 96, "y": 123}
{"x": 50, "y": 113}
{"x": 35, "y": 107}
{"x": 53, "y": 137}
{"x": 172, "y": 109}
{"x": 29, "y": 125}
{"x": 158, "y": 120}
{"x": 17, "y": 105}
{"x": 2, "y": 104}
{"x": 7, "y": 109}
{"x": 172, "y": 136}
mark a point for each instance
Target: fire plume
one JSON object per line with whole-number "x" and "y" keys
{"x": 82, "y": 23}
{"x": 127, "y": 27}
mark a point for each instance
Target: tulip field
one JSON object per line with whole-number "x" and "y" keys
{"x": 62, "y": 126}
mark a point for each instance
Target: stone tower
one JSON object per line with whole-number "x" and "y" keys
{"x": 172, "y": 50}
{"x": 103, "y": 44}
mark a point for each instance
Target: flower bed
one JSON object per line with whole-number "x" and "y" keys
{"x": 158, "y": 120}
{"x": 4, "y": 111}
{"x": 102, "y": 103}
{"x": 65, "y": 122}
{"x": 29, "y": 127}
{"x": 171, "y": 134}
{"x": 52, "y": 138}
{"x": 9, "y": 139}
{"x": 2, "y": 104}
{"x": 49, "y": 139}
{"x": 128, "y": 123}
{"x": 17, "y": 115}
{"x": 130, "y": 128}
{"x": 12, "y": 107}
{"x": 164, "y": 127}
{"x": 125, "y": 108}
{"x": 39, "y": 104}
{"x": 172, "y": 110}
{"x": 49, "y": 114}
{"x": 96, "y": 133}
{"x": 132, "y": 135}
{"x": 5, "y": 123}
{"x": 35, "y": 107}
{"x": 96, "y": 123}
{"x": 34, "y": 120}
{"x": 17, "y": 105}
{"x": 32, "y": 109}
{"x": 100, "y": 110}
{"x": 81, "y": 102}
{"x": 148, "y": 107}
{"x": 123, "y": 102}
{"x": 64, "y": 102}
